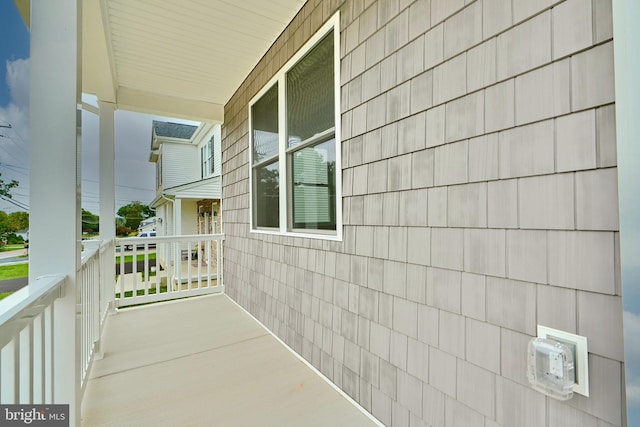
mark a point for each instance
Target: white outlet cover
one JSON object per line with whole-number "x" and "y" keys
{"x": 581, "y": 355}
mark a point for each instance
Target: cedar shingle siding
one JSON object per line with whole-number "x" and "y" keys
{"x": 479, "y": 200}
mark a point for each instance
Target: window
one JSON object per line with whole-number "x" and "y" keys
{"x": 295, "y": 141}
{"x": 159, "y": 172}
{"x": 206, "y": 158}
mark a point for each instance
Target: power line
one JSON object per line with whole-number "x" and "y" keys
{"x": 20, "y": 146}
{"x": 16, "y": 203}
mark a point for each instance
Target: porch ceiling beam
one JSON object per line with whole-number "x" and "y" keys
{"x": 154, "y": 103}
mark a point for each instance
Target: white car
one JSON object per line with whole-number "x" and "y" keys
{"x": 141, "y": 245}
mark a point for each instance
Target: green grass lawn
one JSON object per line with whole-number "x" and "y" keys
{"x": 140, "y": 292}
{"x": 14, "y": 271}
{"x": 139, "y": 257}
{"x": 7, "y": 248}
{"x": 3, "y": 295}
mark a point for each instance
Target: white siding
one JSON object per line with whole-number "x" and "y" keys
{"x": 180, "y": 164}
{"x": 189, "y": 217}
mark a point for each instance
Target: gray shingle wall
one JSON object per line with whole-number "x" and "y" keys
{"x": 479, "y": 190}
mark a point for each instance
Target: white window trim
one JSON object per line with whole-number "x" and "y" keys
{"x": 332, "y": 24}
{"x": 215, "y": 151}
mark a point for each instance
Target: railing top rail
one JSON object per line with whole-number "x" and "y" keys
{"x": 168, "y": 239}
{"x": 91, "y": 249}
{"x": 30, "y": 300}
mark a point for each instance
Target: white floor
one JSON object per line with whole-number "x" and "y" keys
{"x": 204, "y": 362}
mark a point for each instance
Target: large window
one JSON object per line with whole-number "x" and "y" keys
{"x": 295, "y": 143}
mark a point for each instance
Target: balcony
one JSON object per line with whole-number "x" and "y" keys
{"x": 189, "y": 359}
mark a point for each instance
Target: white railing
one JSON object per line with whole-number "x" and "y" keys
{"x": 29, "y": 350}
{"x": 94, "y": 299}
{"x": 26, "y": 342}
{"x": 27, "y": 327}
{"x": 151, "y": 269}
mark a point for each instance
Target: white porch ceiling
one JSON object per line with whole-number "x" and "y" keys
{"x": 179, "y": 58}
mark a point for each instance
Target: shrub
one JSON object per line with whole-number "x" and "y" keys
{"x": 123, "y": 231}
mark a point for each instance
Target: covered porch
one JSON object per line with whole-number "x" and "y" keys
{"x": 67, "y": 338}
{"x": 205, "y": 361}
{"x": 158, "y": 355}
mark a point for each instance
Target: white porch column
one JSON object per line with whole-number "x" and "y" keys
{"x": 177, "y": 216}
{"x": 107, "y": 187}
{"x": 107, "y": 172}
{"x": 177, "y": 231}
{"x": 54, "y": 172}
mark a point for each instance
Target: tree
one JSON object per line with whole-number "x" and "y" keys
{"x": 10, "y": 223}
{"x": 4, "y": 226}
{"x": 18, "y": 221}
{"x": 90, "y": 222}
{"x": 134, "y": 213}
{"x": 5, "y": 187}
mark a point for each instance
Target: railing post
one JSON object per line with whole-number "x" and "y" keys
{"x": 54, "y": 170}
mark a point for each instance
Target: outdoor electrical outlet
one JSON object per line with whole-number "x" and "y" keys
{"x": 578, "y": 346}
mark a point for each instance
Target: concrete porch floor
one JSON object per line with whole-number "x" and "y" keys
{"x": 204, "y": 362}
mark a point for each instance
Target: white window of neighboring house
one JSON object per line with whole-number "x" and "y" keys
{"x": 206, "y": 158}
{"x": 295, "y": 143}
{"x": 159, "y": 172}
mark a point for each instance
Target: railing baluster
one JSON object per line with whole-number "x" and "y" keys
{"x": 219, "y": 263}
{"x": 122, "y": 272}
{"x": 171, "y": 255}
{"x": 48, "y": 354}
{"x": 198, "y": 249}
{"x": 26, "y": 362}
{"x": 189, "y": 268}
{"x": 9, "y": 373}
{"x": 38, "y": 359}
{"x": 178, "y": 267}
{"x": 146, "y": 270}
{"x": 134, "y": 271}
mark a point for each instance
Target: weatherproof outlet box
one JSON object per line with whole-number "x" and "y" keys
{"x": 550, "y": 368}
{"x": 578, "y": 346}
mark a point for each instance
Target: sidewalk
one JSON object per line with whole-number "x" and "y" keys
{"x": 14, "y": 256}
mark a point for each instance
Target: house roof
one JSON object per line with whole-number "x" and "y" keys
{"x": 173, "y": 130}
{"x": 209, "y": 188}
{"x": 175, "y": 58}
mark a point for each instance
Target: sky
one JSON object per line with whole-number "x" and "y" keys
{"x": 135, "y": 175}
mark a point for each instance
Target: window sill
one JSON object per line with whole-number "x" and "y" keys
{"x": 336, "y": 237}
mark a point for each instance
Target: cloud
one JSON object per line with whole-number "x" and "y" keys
{"x": 14, "y": 150}
{"x": 632, "y": 357}
{"x": 16, "y": 112}
{"x": 18, "y": 81}
{"x": 132, "y": 132}
{"x": 632, "y": 338}
{"x": 633, "y": 394}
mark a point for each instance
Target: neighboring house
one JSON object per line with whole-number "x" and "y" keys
{"x": 24, "y": 233}
{"x": 188, "y": 182}
{"x": 147, "y": 225}
{"x": 188, "y": 179}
